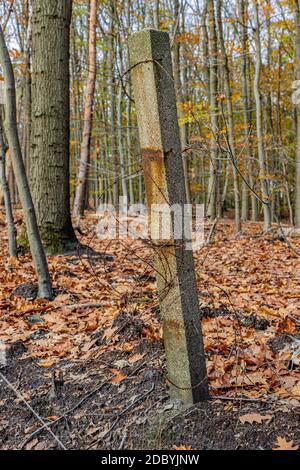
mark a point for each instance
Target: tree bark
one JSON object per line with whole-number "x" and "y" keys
{"x": 36, "y": 247}
{"x": 229, "y": 124}
{"x": 112, "y": 91}
{"x": 213, "y": 190}
{"x": 50, "y": 130}
{"x": 156, "y": 20}
{"x": 259, "y": 126}
{"x": 297, "y": 57}
{"x": 80, "y": 195}
{"x": 11, "y": 228}
{"x": 243, "y": 10}
{"x": 179, "y": 93}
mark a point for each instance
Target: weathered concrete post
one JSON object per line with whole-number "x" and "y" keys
{"x": 154, "y": 92}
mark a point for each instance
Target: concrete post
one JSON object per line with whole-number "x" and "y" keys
{"x": 154, "y": 92}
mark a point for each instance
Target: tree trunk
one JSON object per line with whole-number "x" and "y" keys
{"x": 37, "y": 250}
{"x": 213, "y": 190}
{"x": 11, "y": 228}
{"x": 229, "y": 124}
{"x": 179, "y": 93}
{"x": 259, "y": 128}
{"x": 243, "y": 10}
{"x": 112, "y": 83}
{"x": 80, "y": 195}
{"x": 156, "y": 21}
{"x": 297, "y": 57}
{"x": 50, "y": 130}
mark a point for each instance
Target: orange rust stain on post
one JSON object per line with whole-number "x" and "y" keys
{"x": 152, "y": 154}
{"x": 155, "y": 177}
{"x": 173, "y": 328}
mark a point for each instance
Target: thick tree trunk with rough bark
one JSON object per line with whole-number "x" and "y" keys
{"x": 50, "y": 129}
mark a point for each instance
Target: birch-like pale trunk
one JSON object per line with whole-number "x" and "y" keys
{"x": 156, "y": 19}
{"x": 36, "y": 246}
{"x": 112, "y": 92}
{"x": 229, "y": 119}
{"x": 80, "y": 195}
{"x": 179, "y": 94}
{"x": 120, "y": 131}
{"x": 213, "y": 187}
{"x": 297, "y": 58}
{"x": 243, "y": 10}
{"x": 259, "y": 125}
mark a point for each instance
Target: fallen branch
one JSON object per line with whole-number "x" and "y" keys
{"x": 84, "y": 306}
{"x": 45, "y": 425}
{"x": 77, "y": 405}
{"x": 211, "y": 232}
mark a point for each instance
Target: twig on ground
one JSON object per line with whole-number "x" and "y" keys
{"x": 45, "y": 425}
{"x": 84, "y": 306}
{"x": 123, "y": 440}
{"x": 77, "y": 405}
{"x": 140, "y": 398}
{"x": 248, "y": 400}
{"x": 211, "y": 232}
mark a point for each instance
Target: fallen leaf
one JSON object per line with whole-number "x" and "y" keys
{"x": 135, "y": 358}
{"x": 52, "y": 418}
{"x": 288, "y": 326}
{"x": 47, "y": 363}
{"x": 296, "y": 390}
{"x": 183, "y": 447}
{"x": 255, "y": 418}
{"x": 119, "y": 376}
{"x": 283, "y": 444}
{"x": 31, "y": 444}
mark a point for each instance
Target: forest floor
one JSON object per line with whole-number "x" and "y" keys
{"x": 91, "y": 362}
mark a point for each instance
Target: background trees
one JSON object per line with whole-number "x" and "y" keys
{"x": 234, "y": 62}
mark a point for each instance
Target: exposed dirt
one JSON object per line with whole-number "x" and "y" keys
{"x": 135, "y": 413}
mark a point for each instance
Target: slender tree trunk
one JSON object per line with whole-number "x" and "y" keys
{"x": 80, "y": 195}
{"x": 156, "y": 21}
{"x": 11, "y": 228}
{"x": 297, "y": 57}
{"x": 179, "y": 93}
{"x": 243, "y": 10}
{"x": 27, "y": 88}
{"x": 230, "y": 121}
{"x": 50, "y": 126}
{"x": 112, "y": 83}
{"x": 120, "y": 131}
{"x": 37, "y": 250}
{"x": 213, "y": 190}
{"x": 259, "y": 126}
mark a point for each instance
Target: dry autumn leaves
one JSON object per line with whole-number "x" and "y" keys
{"x": 248, "y": 289}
